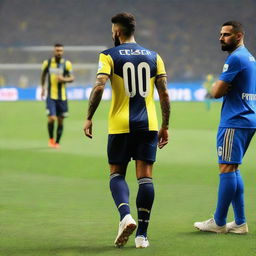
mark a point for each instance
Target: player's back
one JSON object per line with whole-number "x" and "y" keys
{"x": 133, "y": 70}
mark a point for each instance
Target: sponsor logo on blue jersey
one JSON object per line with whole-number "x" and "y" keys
{"x": 251, "y": 58}
{"x": 248, "y": 96}
{"x": 225, "y": 68}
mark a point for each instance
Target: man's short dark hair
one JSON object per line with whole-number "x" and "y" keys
{"x": 58, "y": 45}
{"x": 126, "y": 21}
{"x": 237, "y": 26}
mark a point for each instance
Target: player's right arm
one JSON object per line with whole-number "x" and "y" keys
{"x": 94, "y": 101}
{"x": 220, "y": 88}
{"x": 43, "y": 77}
{"x": 103, "y": 74}
{"x": 230, "y": 69}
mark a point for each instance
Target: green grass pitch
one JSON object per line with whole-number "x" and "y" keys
{"x": 57, "y": 202}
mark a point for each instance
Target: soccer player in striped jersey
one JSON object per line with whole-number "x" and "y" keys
{"x": 237, "y": 84}
{"x": 59, "y": 73}
{"x": 134, "y": 71}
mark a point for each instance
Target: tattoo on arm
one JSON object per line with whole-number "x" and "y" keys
{"x": 96, "y": 95}
{"x": 161, "y": 85}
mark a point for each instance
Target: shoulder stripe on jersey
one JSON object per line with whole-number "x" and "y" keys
{"x": 103, "y": 74}
{"x": 161, "y": 75}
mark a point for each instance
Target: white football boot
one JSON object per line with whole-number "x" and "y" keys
{"x": 232, "y": 227}
{"x": 210, "y": 226}
{"x": 126, "y": 227}
{"x": 141, "y": 242}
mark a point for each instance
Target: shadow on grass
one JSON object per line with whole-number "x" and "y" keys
{"x": 41, "y": 149}
{"x": 197, "y": 232}
{"x": 34, "y": 148}
{"x": 207, "y": 234}
{"x": 200, "y": 233}
{"x": 85, "y": 250}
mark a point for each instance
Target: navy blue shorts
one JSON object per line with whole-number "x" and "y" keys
{"x": 232, "y": 144}
{"x": 140, "y": 145}
{"x": 57, "y": 107}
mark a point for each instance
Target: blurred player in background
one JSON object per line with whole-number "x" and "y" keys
{"x": 133, "y": 130}
{"x": 237, "y": 84}
{"x": 207, "y": 84}
{"x": 59, "y": 73}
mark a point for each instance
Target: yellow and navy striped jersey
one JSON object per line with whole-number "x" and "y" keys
{"x": 132, "y": 70}
{"x": 56, "y": 90}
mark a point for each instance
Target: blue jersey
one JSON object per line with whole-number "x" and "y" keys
{"x": 239, "y": 105}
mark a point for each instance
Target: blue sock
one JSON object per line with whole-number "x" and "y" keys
{"x": 144, "y": 202}
{"x": 238, "y": 200}
{"x": 120, "y": 193}
{"x": 227, "y": 190}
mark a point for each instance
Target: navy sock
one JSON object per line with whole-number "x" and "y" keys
{"x": 238, "y": 200}
{"x": 144, "y": 202}
{"x": 50, "y": 129}
{"x": 227, "y": 190}
{"x": 59, "y": 133}
{"x": 120, "y": 193}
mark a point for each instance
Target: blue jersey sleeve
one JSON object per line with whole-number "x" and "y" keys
{"x": 230, "y": 69}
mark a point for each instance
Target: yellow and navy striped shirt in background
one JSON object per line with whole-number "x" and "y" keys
{"x": 56, "y": 90}
{"x": 132, "y": 70}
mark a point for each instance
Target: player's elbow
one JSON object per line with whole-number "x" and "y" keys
{"x": 219, "y": 89}
{"x": 71, "y": 79}
{"x": 216, "y": 95}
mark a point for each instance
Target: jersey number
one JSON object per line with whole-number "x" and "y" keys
{"x": 143, "y": 72}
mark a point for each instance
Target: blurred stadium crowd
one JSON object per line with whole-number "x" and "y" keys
{"x": 184, "y": 32}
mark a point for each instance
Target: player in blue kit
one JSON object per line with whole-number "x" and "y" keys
{"x": 237, "y": 84}
{"x": 134, "y": 72}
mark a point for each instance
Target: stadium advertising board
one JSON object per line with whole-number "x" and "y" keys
{"x": 177, "y": 92}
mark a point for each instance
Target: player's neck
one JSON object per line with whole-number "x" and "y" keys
{"x": 240, "y": 44}
{"x": 127, "y": 40}
{"x": 57, "y": 59}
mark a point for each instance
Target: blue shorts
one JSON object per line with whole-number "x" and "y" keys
{"x": 141, "y": 145}
{"x": 57, "y": 107}
{"x": 232, "y": 144}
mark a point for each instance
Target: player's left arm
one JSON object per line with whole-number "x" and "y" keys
{"x": 220, "y": 88}
{"x": 94, "y": 101}
{"x": 161, "y": 86}
{"x": 66, "y": 79}
{"x": 69, "y": 77}
{"x": 163, "y": 134}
